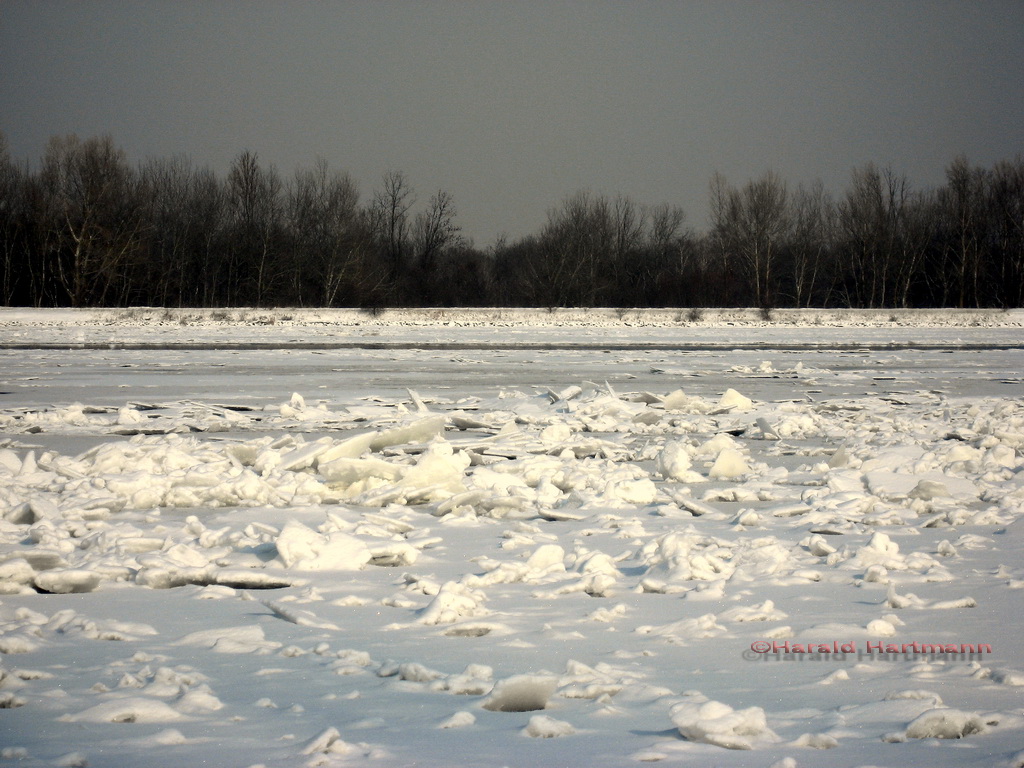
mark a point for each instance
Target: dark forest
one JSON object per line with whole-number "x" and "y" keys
{"x": 85, "y": 228}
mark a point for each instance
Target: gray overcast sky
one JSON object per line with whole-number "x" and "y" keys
{"x": 512, "y": 106}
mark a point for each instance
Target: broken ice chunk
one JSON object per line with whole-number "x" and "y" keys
{"x": 733, "y": 400}
{"x": 302, "y": 548}
{"x": 729, "y": 464}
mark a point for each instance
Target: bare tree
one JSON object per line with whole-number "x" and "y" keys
{"x": 92, "y": 217}
{"x": 435, "y": 230}
{"x": 862, "y": 218}
{"x": 811, "y": 241}
{"x": 255, "y": 199}
{"x": 720, "y": 243}
{"x": 1006, "y": 210}
{"x": 885, "y": 233}
{"x": 390, "y": 218}
{"x": 327, "y": 233}
{"x": 656, "y": 256}
{"x": 13, "y": 226}
{"x": 666, "y": 225}
{"x": 208, "y": 210}
{"x": 915, "y": 233}
{"x": 170, "y": 270}
{"x": 752, "y": 224}
{"x": 964, "y": 208}
{"x": 578, "y": 246}
{"x": 765, "y": 226}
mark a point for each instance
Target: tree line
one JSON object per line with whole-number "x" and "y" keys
{"x": 88, "y": 229}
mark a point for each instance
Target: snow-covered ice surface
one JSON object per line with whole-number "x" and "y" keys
{"x": 386, "y": 555}
{"x": 475, "y": 328}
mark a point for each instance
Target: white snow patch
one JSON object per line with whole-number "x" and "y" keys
{"x": 458, "y": 720}
{"x": 544, "y": 727}
{"x": 713, "y": 722}
{"x": 942, "y": 724}
{"x": 132, "y": 709}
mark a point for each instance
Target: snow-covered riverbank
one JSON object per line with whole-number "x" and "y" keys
{"x": 506, "y": 327}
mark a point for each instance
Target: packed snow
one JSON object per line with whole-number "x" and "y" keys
{"x": 796, "y": 556}
{"x": 473, "y": 328}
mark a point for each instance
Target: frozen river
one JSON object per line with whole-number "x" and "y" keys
{"x": 259, "y": 377}
{"x": 221, "y": 547}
